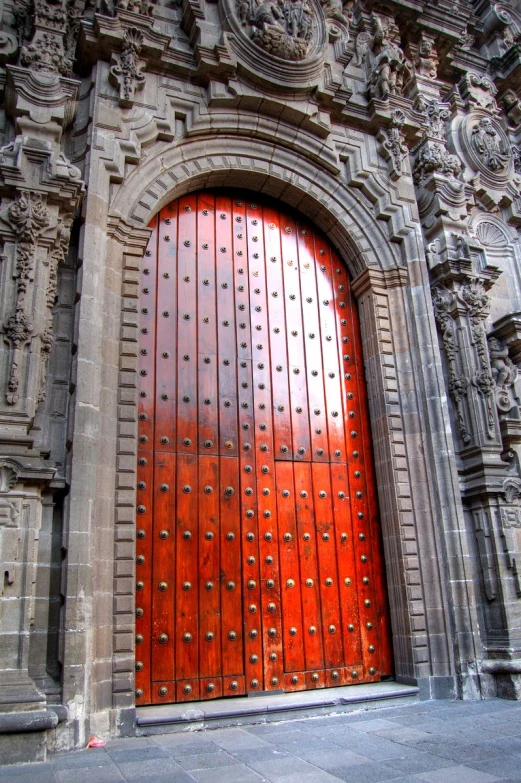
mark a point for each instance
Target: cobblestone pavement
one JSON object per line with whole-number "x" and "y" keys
{"x": 427, "y": 742}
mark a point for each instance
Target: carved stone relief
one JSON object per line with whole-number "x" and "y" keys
{"x": 491, "y": 145}
{"x": 504, "y": 372}
{"x": 283, "y": 28}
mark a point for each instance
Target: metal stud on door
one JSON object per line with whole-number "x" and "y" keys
{"x": 258, "y": 560}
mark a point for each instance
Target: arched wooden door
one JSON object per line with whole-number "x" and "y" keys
{"x": 258, "y": 548}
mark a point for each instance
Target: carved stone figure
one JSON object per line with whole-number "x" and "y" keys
{"x": 283, "y": 28}
{"x": 489, "y": 146}
{"x": 503, "y": 369}
{"x": 427, "y": 60}
{"x": 390, "y": 69}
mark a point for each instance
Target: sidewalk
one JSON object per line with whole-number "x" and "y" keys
{"x": 426, "y": 742}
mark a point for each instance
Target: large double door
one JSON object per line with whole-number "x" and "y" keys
{"x": 258, "y": 548}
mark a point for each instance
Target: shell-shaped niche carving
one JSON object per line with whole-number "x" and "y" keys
{"x": 491, "y": 235}
{"x": 278, "y": 40}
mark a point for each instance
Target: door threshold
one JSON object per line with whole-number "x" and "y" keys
{"x": 193, "y": 716}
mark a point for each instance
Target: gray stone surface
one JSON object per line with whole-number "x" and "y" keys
{"x": 312, "y": 750}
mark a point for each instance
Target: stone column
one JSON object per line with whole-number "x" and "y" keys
{"x": 40, "y": 192}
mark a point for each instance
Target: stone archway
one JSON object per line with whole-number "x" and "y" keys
{"x": 397, "y": 329}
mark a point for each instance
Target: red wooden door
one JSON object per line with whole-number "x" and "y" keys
{"x": 259, "y": 564}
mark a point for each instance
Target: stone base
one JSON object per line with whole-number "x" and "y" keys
{"x": 25, "y": 748}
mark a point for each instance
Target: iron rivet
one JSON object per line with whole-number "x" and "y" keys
{"x": 187, "y": 535}
{"x": 162, "y": 638}
{"x": 209, "y": 636}
{"x": 290, "y": 583}
{"x": 162, "y": 586}
{"x": 187, "y": 637}
{"x": 210, "y": 687}
{"x": 139, "y": 666}
{"x": 187, "y": 689}
{"x": 314, "y": 677}
{"x": 347, "y": 581}
{"x": 139, "y": 612}
{"x": 163, "y": 534}
{"x": 254, "y": 683}
{"x": 139, "y": 693}
{"x": 232, "y": 636}
{"x": 139, "y": 638}
{"x": 163, "y": 691}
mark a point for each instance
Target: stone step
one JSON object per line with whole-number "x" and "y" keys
{"x": 194, "y": 716}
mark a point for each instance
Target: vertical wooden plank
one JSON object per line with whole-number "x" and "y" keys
{"x": 231, "y": 568}
{"x": 327, "y": 566}
{"x": 166, "y": 321}
{"x": 293, "y": 267}
{"x": 187, "y": 564}
{"x": 347, "y": 579}
{"x": 163, "y": 602}
{"x": 145, "y": 470}
{"x": 331, "y": 367}
{"x": 292, "y": 626}
{"x": 312, "y": 344}
{"x": 187, "y": 324}
{"x": 210, "y": 664}
{"x": 312, "y": 621}
{"x": 278, "y": 348}
{"x": 207, "y": 369}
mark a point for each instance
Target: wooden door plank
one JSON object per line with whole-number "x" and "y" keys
{"x": 163, "y": 602}
{"x": 207, "y": 367}
{"x": 209, "y": 612}
{"x": 331, "y": 368}
{"x": 311, "y": 305}
{"x": 187, "y": 325}
{"x": 231, "y": 568}
{"x": 313, "y": 647}
{"x": 292, "y": 269}
{"x": 327, "y": 565}
{"x": 145, "y": 470}
{"x": 291, "y": 592}
{"x": 166, "y": 321}
{"x": 187, "y": 564}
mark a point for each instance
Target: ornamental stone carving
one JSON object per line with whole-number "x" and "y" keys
{"x": 127, "y": 71}
{"x": 143, "y": 7}
{"x": 283, "y": 28}
{"x": 435, "y": 159}
{"x": 479, "y": 92}
{"x": 491, "y": 148}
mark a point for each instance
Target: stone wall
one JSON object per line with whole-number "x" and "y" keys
{"x": 397, "y": 131}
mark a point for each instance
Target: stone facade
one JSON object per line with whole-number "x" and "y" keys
{"x": 397, "y": 129}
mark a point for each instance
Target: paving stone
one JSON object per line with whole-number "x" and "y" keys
{"x": 377, "y": 724}
{"x": 235, "y": 774}
{"x": 338, "y": 758}
{"x": 137, "y": 754}
{"x": 275, "y": 768}
{"x": 92, "y": 757}
{"x": 403, "y": 734}
{"x": 458, "y": 753}
{"x": 136, "y": 770}
{"x": 36, "y": 773}
{"x": 366, "y": 773}
{"x": 418, "y": 761}
{"x": 236, "y": 739}
{"x": 504, "y": 766}
{"x": 89, "y": 775}
{"x": 459, "y": 774}
{"x": 185, "y": 748}
{"x": 207, "y": 760}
